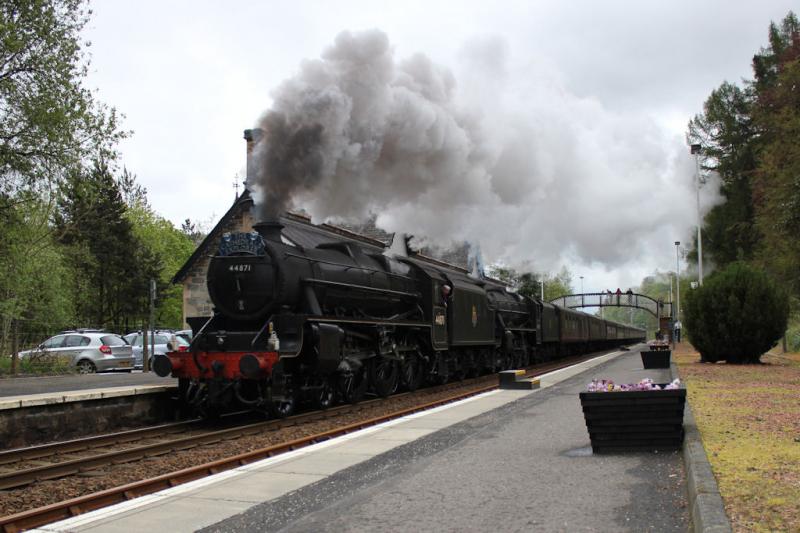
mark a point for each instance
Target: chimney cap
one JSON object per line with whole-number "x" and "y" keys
{"x": 254, "y": 134}
{"x": 269, "y": 229}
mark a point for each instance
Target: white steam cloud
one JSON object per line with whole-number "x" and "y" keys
{"x": 534, "y": 174}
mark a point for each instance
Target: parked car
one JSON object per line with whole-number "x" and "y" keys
{"x": 162, "y": 340}
{"x": 89, "y": 350}
{"x": 186, "y": 334}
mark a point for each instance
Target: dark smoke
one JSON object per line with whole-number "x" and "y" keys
{"x": 295, "y": 162}
{"x": 532, "y": 173}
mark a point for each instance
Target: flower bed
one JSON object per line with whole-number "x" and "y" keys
{"x": 634, "y": 417}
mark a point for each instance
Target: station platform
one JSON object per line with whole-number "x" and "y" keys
{"x": 507, "y": 460}
{"x": 35, "y": 410}
{"x": 57, "y": 386}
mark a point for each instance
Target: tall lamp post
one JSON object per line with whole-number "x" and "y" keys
{"x": 581, "y": 284}
{"x": 677, "y": 280}
{"x": 696, "y": 151}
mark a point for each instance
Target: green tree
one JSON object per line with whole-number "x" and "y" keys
{"x": 529, "y": 283}
{"x": 193, "y": 231}
{"x": 35, "y": 280}
{"x": 726, "y": 132}
{"x": 50, "y": 125}
{"x": 171, "y": 248}
{"x": 112, "y": 266}
{"x": 737, "y": 315}
{"x": 777, "y": 180}
{"x": 49, "y": 121}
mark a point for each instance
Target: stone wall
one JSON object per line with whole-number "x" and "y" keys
{"x": 196, "y": 301}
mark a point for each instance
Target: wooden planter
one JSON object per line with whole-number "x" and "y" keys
{"x": 635, "y": 420}
{"x": 656, "y": 358}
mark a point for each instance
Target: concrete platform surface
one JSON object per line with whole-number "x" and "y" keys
{"x": 27, "y": 385}
{"x": 508, "y": 460}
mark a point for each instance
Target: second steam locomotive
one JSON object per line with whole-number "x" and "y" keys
{"x": 334, "y": 321}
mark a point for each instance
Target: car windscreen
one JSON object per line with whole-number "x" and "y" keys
{"x": 113, "y": 340}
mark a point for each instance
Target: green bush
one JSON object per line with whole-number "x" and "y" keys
{"x": 737, "y": 315}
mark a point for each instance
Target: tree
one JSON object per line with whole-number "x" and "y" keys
{"x": 112, "y": 266}
{"x": 171, "y": 248}
{"x": 529, "y": 283}
{"x": 34, "y": 280}
{"x": 737, "y": 315}
{"x": 50, "y": 125}
{"x": 49, "y": 122}
{"x": 776, "y": 183}
{"x": 726, "y": 132}
{"x": 133, "y": 194}
{"x": 194, "y": 231}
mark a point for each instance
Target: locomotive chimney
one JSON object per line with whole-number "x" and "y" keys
{"x": 252, "y": 137}
{"x": 269, "y": 229}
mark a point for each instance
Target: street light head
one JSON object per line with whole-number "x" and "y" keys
{"x": 697, "y": 149}
{"x": 677, "y": 243}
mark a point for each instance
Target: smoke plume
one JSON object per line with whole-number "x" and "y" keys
{"x": 517, "y": 164}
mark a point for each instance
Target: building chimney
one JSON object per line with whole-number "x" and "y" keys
{"x": 253, "y": 137}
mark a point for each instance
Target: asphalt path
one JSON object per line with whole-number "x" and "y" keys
{"x": 527, "y": 466}
{"x": 19, "y": 386}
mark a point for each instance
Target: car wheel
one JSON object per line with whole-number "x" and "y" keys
{"x": 86, "y": 367}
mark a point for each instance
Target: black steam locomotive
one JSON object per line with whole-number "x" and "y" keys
{"x": 335, "y": 321}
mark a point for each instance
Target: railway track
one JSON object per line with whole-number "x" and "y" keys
{"x": 24, "y": 466}
{"x": 64, "y": 459}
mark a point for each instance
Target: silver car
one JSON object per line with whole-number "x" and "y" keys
{"x": 162, "y": 341}
{"x": 89, "y": 351}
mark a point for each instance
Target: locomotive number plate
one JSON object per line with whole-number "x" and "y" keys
{"x": 240, "y": 268}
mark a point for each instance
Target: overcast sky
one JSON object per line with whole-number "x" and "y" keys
{"x": 590, "y": 99}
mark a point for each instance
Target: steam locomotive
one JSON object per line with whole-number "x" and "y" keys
{"x": 335, "y": 321}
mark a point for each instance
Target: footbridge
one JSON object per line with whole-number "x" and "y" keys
{"x": 605, "y": 299}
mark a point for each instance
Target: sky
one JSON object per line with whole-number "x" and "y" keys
{"x": 571, "y": 116}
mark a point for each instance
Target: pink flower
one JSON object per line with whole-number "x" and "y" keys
{"x": 607, "y": 385}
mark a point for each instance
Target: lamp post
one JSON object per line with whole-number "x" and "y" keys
{"x": 581, "y": 284}
{"x": 677, "y": 280}
{"x": 696, "y": 151}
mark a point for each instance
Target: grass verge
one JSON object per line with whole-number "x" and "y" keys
{"x": 749, "y": 420}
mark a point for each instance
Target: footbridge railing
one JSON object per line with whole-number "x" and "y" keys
{"x": 605, "y": 299}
